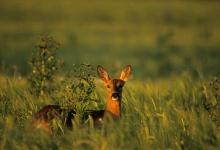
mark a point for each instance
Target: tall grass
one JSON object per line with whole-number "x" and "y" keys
{"x": 156, "y": 115}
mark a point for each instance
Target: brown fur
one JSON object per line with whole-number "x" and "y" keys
{"x": 42, "y": 124}
{"x": 114, "y": 107}
{"x": 45, "y": 115}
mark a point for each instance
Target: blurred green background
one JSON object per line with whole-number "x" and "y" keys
{"x": 158, "y": 38}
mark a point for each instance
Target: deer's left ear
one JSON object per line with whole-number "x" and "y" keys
{"x": 126, "y": 72}
{"x": 103, "y": 74}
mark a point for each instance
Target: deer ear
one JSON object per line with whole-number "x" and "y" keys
{"x": 103, "y": 74}
{"x": 126, "y": 72}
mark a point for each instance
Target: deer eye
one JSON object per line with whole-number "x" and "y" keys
{"x": 108, "y": 86}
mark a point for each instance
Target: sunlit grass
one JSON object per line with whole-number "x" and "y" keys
{"x": 164, "y": 114}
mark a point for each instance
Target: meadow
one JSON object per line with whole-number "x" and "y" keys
{"x": 172, "y": 99}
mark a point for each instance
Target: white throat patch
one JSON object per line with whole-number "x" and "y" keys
{"x": 114, "y": 99}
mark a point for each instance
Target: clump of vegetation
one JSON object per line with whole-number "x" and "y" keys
{"x": 211, "y": 91}
{"x": 77, "y": 89}
{"x": 5, "y": 103}
{"x": 13, "y": 103}
{"x": 44, "y": 64}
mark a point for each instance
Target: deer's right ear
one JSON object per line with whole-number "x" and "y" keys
{"x": 126, "y": 72}
{"x": 103, "y": 74}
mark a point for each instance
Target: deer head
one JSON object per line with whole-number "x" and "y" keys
{"x": 115, "y": 88}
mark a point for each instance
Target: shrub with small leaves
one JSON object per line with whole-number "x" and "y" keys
{"x": 44, "y": 64}
{"x": 78, "y": 88}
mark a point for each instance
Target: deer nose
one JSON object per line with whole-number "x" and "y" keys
{"x": 115, "y": 96}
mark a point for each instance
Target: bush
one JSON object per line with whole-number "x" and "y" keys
{"x": 77, "y": 90}
{"x": 44, "y": 64}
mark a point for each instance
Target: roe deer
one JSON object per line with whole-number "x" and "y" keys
{"x": 113, "y": 106}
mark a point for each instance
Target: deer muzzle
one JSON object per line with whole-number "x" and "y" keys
{"x": 115, "y": 96}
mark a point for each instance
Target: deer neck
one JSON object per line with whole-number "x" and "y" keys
{"x": 113, "y": 107}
